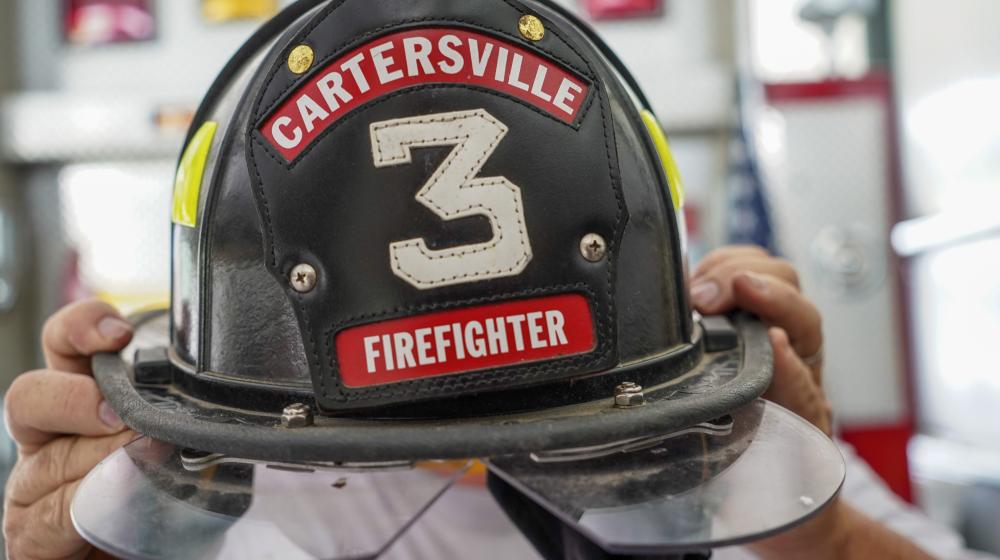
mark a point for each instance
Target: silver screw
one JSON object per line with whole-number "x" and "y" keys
{"x": 303, "y": 278}
{"x": 629, "y": 394}
{"x": 593, "y": 247}
{"x": 297, "y": 415}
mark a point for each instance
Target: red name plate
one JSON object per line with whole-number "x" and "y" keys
{"x": 463, "y": 340}
{"x": 415, "y": 57}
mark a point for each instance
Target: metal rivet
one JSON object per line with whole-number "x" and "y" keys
{"x": 303, "y": 278}
{"x": 629, "y": 394}
{"x": 593, "y": 247}
{"x": 301, "y": 59}
{"x": 297, "y": 415}
{"x": 531, "y": 28}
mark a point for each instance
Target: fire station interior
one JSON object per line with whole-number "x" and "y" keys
{"x": 859, "y": 139}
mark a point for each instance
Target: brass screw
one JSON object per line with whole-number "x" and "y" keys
{"x": 301, "y": 59}
{"x": 531, "y": 28}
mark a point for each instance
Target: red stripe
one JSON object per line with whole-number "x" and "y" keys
{"x": 457, "y": 341}
{"x": 872, "y": 85}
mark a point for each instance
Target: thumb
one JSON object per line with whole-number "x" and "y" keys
{"x": 77, "y": 331}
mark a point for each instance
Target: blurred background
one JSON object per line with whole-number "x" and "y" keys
{"x": 858, "y": 138}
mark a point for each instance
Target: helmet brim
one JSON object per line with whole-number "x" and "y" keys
{"x": 721, "y": 382}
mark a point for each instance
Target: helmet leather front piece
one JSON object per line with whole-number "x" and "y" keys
{"x": 439, "y": 175}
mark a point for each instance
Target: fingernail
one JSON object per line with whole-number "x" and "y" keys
{"x": 704, "y": 293}
{"x": 109, "y": 417}
{"x": 113, "y": 328}
{"x": 756, "y": 282}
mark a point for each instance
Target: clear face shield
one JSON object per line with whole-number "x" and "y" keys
{"x": 714, "y": 484}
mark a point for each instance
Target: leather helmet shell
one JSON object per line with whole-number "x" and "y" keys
{"x": 446, "y": 224}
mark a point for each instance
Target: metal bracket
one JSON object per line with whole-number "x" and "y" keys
{"x": 198, "y": 461}
{"x": 719, "y": 427}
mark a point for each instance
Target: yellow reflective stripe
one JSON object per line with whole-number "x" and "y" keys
{"x": 190, "y": 172}
{"x": 225, "y": 10}
{"x": 130, "y": 304}
{"x": 666, "y": 158}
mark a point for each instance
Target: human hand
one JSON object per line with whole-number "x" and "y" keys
{"x": 63, "y": 428}
{"x": 749, "y": 278}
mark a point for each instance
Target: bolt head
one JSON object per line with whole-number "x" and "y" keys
{"x": 301, "y": 59}
{"x": 629, "y": 400}
{"x": 297, "y": 415}
{"x": 629, "y": 394}
{"x": 303, "y": 278}
{"x": 531, "y": 28}
{"x": 593, "y": 247}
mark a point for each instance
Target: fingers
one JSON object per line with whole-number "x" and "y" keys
{"x": 730, "y": 268}
{"x": 45, "y": 528}
{"x": 43, "y": 404}
{"x": 40, "y": 491}
{"x": 794, "y": 385}
{"x": 748, "y": 278}
{"x": 727, "y": 253}
{"x": 77, "y": 331}
{"x": 712, "y": 284}
{"x": 779, "y": 304}
{"x": 61, "y": 462}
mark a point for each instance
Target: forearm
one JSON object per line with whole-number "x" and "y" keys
{"x": 863, "y": 537}
{"x": 839, "y": 533}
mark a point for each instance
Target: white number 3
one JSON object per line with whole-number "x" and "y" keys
{"x": 455, "y": 192}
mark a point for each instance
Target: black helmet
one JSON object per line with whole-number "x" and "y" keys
{"x": 427, "y": 229}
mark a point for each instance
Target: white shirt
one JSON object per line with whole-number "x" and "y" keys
{"x": 466, "y": 523}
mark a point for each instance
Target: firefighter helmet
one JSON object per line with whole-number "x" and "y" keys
{"x": 428, "y": 229}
